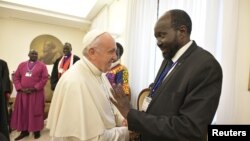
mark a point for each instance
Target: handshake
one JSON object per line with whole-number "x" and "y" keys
{"x": 133, "y": 136}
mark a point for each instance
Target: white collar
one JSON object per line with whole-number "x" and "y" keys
{"x": 181, "y": 51}
{"x": 92, "y": 67}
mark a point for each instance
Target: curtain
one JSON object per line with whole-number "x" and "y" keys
{"x": 226, "y": 51}
{"x": 141, "y": 45}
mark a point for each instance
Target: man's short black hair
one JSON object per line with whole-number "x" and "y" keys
{"x": 67, "y": 44}
{"x": 180, "y": 17}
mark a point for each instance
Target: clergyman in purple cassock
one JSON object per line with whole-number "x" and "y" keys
{"x": 29, "y": 80}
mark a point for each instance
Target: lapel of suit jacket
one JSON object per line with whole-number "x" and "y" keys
{"x": 180, "y": 61}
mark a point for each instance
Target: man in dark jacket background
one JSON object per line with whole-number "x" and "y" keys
{"x": 5, "y": 89}
{"x": 62, "y": 64}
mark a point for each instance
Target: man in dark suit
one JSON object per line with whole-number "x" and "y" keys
{"x": 185, "y": 94}
{"x": 5, "y": 89}
{"x": 62, "y": 64}
{"x": 3, "y": 138}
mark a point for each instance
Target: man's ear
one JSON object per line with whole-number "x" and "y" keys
{"x": 182, "y": 28}
{"x": 91, "y": 51}
{"x": 182, "y": 31}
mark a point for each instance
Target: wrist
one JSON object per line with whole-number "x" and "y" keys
{"x": 125, "y": 113}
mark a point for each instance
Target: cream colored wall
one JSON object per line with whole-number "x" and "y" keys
{"x": 16, "y": 36}
{"x": 242, "y": 99}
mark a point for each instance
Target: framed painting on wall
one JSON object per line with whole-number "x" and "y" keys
{"x": 49, "y": 48}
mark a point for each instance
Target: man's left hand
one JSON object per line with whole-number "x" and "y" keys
{"x": 120, "y": 100}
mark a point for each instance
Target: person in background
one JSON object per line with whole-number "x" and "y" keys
{"x": 5, "y": 89}
{"x": 29, "y": 81}
{"x": 62, "y": 64}
{"x": 186, "y": 92}
{"x": 119, "y": 73}
{"x": 80, "y": 108}
{"x": 3, "y": 137}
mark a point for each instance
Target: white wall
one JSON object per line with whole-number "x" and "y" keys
{"x": 16, "y": 36}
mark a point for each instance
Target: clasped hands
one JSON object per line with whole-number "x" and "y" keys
{"x": 121, "y": 101}
{"x": 28, "y": 90}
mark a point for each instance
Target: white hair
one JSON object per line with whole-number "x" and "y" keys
{"x": 89, "y": 38}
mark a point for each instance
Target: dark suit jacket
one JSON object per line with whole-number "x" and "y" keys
{"x": 4, "y": 88}
{"x": 186, "y": 101}
{"x": 54, "y": 75}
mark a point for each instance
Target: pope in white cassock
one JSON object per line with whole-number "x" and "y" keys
{"x": 80, "y": 109}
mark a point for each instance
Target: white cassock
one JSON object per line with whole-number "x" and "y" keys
{"x": 81, "y": 110}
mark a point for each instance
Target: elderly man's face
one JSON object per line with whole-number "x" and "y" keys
{"x": 105, "y": 53}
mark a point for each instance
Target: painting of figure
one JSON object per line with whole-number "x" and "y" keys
{"x": 49, "y": 48}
